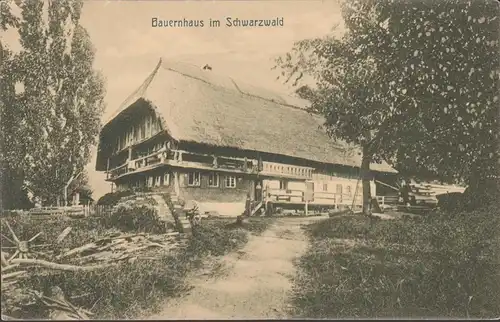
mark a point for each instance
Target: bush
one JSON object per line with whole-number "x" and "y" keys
{"x": 112, "y": 198}
{"x": 442, "y": 265}
{"x": 137, "y": 218}
{"x": 451, "y": 201}
{"x": 482, "y": 194}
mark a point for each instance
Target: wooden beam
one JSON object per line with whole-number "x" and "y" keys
{"x": 387, "y": 185}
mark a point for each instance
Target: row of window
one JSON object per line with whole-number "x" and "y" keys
{"x": 194, "y": 180}
{"x": 159, "y": 180}
{"x": 322, "y": 188}
{"x": 338, "y": 189}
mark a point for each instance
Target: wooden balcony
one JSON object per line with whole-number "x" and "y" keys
{"x": 186, "y": 159}
{"x": 285, "y": 170}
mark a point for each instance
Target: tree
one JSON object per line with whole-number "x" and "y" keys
{"x": 389, "y": 83}
{"x": 80, "y": 185}
{"x": 350, "y": 93}
{"x": 10, "y": 179}
{"x": 448, "y": 63}
{"x": 58, "y": 98}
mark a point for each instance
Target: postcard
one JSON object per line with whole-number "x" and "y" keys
{"x": 237, "y": 159}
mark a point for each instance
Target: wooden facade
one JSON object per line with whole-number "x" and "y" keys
{"x": 176, "y": 143}
{"x": 160, "y": 163}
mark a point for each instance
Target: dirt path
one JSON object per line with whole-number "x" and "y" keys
{"x": 251, "y": 283}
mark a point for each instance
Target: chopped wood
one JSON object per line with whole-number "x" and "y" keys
{"x": 13, "y": 274}
{"x": 77, "y": 250}
{"x": 101, "y": 253}
{"x": 97, "y": 256}
{"x": 4, "y": 260}
{"x": 6, "y": 317}
{"x": 112, "y": 244}
{"x": 61, "y": 308}
{"x": 64, "y": 267}
{"x": 9, "y": 267}
{"x": 6, "y": 284}
{"x": 63, "y": 234}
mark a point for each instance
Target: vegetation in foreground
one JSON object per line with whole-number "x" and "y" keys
{"x": 128, "y": 290}
{"x": 440, "y": 265}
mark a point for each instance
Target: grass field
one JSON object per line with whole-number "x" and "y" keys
{"x": 128, "y": 290}
{"x": 440, "y": 265}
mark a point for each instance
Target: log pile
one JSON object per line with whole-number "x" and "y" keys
{"x": 23, "y": 259}
{"x": 119, "y": 247}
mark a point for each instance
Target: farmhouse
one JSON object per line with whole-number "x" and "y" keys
{"x": 209, "y": 138}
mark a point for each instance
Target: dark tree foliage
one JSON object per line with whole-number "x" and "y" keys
{"x": 51, "y": 98}
{"x": 411, "y": 82}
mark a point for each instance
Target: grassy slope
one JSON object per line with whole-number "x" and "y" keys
{"x": 130, "y": 290}
{"x": 437, "y": 266}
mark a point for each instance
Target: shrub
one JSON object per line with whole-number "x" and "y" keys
{"x": 213, "y": 237}
{"x": 138, "y": 218}
{"x": 451, "y": 201}
{"x": 112, "y": 198}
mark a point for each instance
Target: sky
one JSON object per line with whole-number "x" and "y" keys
{"x": 128, "y": 47}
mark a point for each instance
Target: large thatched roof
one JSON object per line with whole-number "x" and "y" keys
{"x": 199, "y": 105}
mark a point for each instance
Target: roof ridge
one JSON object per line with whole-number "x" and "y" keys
{"x": 238, "y": 89}
{"x": 139, "y": 92}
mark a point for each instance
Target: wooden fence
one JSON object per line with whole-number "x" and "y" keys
{"x": 97, "y": 210}
{"x": 72, "y": 211}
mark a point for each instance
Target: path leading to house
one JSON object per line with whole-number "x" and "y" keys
{"x": 252, "y": 283}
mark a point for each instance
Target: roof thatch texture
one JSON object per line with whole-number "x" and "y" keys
{"x": 202, "y": 106}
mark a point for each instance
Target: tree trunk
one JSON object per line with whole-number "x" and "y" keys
{"x": 365, "y": 173}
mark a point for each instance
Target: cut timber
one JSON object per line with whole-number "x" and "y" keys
{"x": 63, "y": 267}
{"x": 78, "y": 250}
{"x": 63, "y": 235}
{"x": 13, "y": 274}
{"x": 4, "y": 260}
{"x": 9, "y": 267}
{"x": 387, "y": 185}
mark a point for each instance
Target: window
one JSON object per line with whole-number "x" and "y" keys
{"x": 194, "y": 179}
{"x": 230, "y": 182}
{"x": 339, "y": 189}
{"x": 150, "y": 181}
{"x": 166, "y": 179}
{"x": 213, "y": 180}
{"x": 158, "y": 181}
{"x": 132, "y": 135}
{"x": 325, "y": 186}
{"x": 148, "y": 126}
{"x": 142, "y": 133}
{"x": 348, "y": 190}
{"x": 283, "y": 185}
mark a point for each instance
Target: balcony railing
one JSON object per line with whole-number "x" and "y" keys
{"x": 318, "y": 197}
{"x": 206, "y": 161}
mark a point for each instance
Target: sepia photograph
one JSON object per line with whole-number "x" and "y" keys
{"x": 249, "y": 159}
